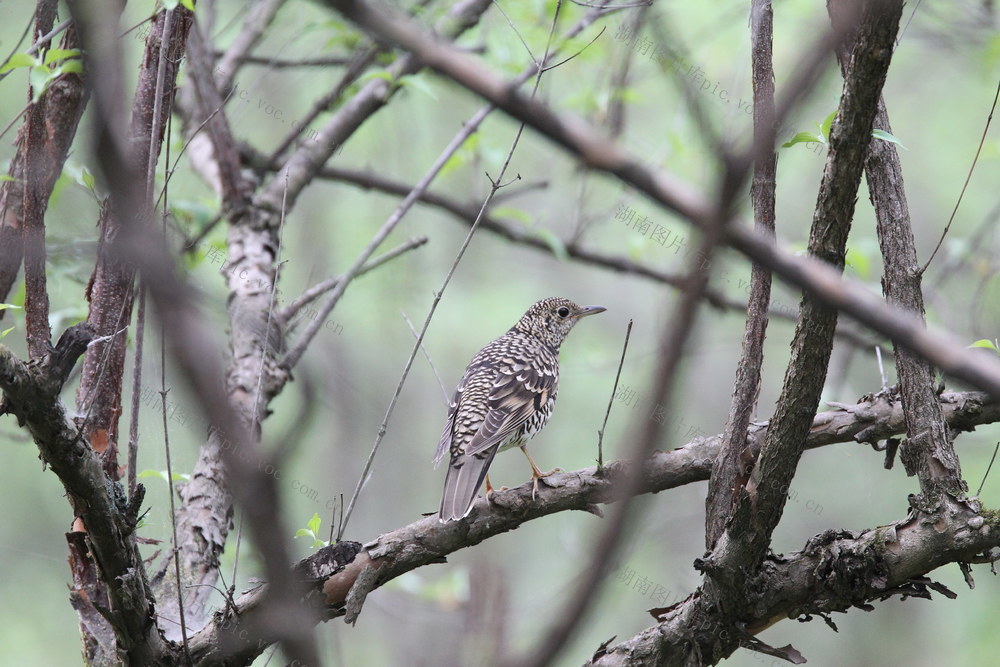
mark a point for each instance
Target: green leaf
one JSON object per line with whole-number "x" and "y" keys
{"x": 314, "y": 523}
{"x": 553, "y": 242}
{"x": 302, "y": 532}
{"x": 6, "y": 177}
{"x": 377, "y": 75}
{"x": 5, "y": 306}
{"x": 511, "y": 213}
{"x": 188, "y": 4}
{"x": 70, "y": 67}
{"x": 858, "y": 261}
{"x": 53, "y": 55}
{"x": 3, "y": 334}
{"x": 885, "y": 136}
{"x": 419, "y": 83}
{"x": 87, "y": 178}
{"x": 827, "y": 124}
{"x": 162, "y": 474}
{"x": 802, "y": 138}
{"x": 39, "y": 77}
{"x": 987, "y": 343}
{"x": 18, "y": 60}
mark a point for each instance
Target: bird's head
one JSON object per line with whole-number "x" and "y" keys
{"x": 550, "y": 320}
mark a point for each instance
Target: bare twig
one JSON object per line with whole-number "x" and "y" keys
{"x": 611, "y": 399}
{"x": 133, "y": 427}
{"x": 324, "y": 286}
{"x": 988, "y": 468}
{"x": 427, "y": 356}
{"x": 968, "y": 177}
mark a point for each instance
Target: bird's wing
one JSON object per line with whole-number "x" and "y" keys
{"x": 444, "y": 444}
{"x": 518, "y": 392}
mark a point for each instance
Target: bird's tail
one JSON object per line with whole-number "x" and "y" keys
{"x": 462, "y": 484}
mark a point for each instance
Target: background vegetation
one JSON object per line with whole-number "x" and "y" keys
{"x": 938, "y": 92}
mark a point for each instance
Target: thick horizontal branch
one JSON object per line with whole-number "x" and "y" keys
{"x": 428, "y": 541}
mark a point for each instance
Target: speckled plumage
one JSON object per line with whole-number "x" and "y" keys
{"x": 504, "y": 398}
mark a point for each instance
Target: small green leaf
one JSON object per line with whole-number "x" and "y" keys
{"x": 885, "y": 136}
{"x": 70, "y": 67}
{"x": 5, "y": 306}
{"x": 419, "y": 83}
{"x": 162, "y": 474}
{"x": 188, "y": 4}
{"x": 18, "y": 60}
{"x": 3, "y": 334}
{"x": 858, "y": 261}
{"x": 53, "y": 55}
{"x": 802, "y": 138}
{"x": 511, "y": 213}
{"x": 314, "y": 523}
{"x": 39, "y": 77}
{"x": 987, "y": 343}
{"x": 6, "y": 177}
{"x": 827, "y": 124}
{"x": 87, "y": 178}
{"x": 302, "y": 532}
{"x": 377, "y": 75}
{"x": 553, "y": 242}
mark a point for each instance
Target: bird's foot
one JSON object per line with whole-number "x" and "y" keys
{"x": 490, "y": 490}
{"x": 537, "y": 475}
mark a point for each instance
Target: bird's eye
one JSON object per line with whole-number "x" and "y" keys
{"x": 563, "y": 312}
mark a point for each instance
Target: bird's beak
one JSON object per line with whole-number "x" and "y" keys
{"x": 590, "y": 310}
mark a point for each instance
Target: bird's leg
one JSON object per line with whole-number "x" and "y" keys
{"x": 490, "y": 490}
{"x": 536, "y": 474}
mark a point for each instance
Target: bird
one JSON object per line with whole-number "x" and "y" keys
{"x": 504, "y": 398}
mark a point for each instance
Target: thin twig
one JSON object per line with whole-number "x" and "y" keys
{"x": 427, "y": 356}
{"x": 968, "y": 178}
{"x": 150, "y": 179}
{"x": 320, "y": 288}
{"x": 611, "y": 399}
{"x": 988, "y": 468}
{"x": 881, "y": 368}
{"x": 278, "y": 63}
{"x": 133, "y": 427}
{"x": 518, "y": 33}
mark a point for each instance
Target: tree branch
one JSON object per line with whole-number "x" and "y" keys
{"x": 32, "y": 395}
{"x": 428, "y": 541}
{"x": 927, "y": 450}
{"x": 732, "y": 468}
{"x": 741, "y": 548}
{"x": 837, "y": 570}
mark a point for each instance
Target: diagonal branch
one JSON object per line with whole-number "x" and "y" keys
{"x": 928, "y": 450}
{"x": 741, "y": 548}
{"x": 734, "y": 464}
